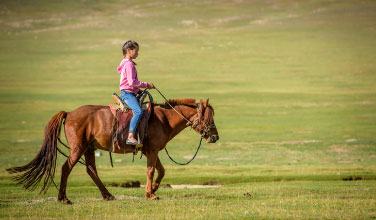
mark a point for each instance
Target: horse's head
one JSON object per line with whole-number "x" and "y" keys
{"x": 203, "y": 122}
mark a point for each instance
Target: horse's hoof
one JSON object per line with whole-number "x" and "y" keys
{"x": 67, "y": 202}
{"x": 153, "y": 197}
{"x": 109, "y": 198}
{"x": 64, "y": 200}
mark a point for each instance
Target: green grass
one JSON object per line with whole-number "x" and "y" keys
{"x": 277, "y": 200}
{"x": 291, "y": 82}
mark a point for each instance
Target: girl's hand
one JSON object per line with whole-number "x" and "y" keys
{"x": 151, "y": 86}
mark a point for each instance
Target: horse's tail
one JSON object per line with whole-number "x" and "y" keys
{"x": 44, "y": 163}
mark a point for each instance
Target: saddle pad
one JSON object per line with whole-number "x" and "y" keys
{"x": 121, "y": 126}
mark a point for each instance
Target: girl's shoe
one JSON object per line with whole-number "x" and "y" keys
{"x": 131, "y": 142}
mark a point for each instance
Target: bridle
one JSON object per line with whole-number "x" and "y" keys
{"x": 196, "y": 122}
{"x": 193, "y": 125}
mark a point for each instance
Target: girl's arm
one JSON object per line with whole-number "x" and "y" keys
{"x": 132, "y": 77}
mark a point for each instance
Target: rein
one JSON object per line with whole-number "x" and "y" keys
{"x": 194, "y": 156}
{"x": 191, "y": 124}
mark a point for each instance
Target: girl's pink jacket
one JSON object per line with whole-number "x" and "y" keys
{"x": 128, "y": 77}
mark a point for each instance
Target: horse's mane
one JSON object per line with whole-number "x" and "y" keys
{"x": 186, "y": 102}
{"x": 175, "y": 102}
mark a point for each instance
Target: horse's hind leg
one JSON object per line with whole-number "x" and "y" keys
{"x": 161, "y": 173}
{"x": 92, "y": 171}
{"x": 74, "y": 157}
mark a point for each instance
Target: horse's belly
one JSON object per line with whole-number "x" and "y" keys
{"x": 109, "y": 147}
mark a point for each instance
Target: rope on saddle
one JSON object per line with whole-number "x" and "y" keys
{"x": 114, "y": 137}
{"x": 194, "y": 156}
{"x": 112, "y": 164}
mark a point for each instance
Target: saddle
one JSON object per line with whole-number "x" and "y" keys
{"x": 123, "y": 115}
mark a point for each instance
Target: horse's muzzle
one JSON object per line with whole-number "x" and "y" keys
{"x": 213, "y": 139}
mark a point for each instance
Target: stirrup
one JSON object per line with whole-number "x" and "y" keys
{"x": 130, "y": 142}
{"x": 139, "y": 146}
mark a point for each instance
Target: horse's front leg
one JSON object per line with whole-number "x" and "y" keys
{"x": 161, "y": 173}
{"x": 152, "y": 157}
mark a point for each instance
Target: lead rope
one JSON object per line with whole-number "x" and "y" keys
{"x": 190, "y": 123}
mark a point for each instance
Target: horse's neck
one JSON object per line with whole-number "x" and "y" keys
{"x": 176, "y": 121}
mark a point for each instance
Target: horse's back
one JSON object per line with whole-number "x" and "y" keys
{"x": 88, "y": 122}
{"x": 87, "y": 110}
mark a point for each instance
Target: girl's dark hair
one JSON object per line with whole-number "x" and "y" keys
{"x": 129, "y": 44}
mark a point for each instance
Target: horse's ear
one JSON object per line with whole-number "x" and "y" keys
{"x": 206, "y": 103}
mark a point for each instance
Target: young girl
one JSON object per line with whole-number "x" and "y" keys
{"x": 130, "y": 86}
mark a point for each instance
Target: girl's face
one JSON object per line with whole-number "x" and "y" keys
{"x": 132, "y": 53}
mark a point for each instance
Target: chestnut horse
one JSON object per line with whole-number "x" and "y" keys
{"x": 90, "y": 127}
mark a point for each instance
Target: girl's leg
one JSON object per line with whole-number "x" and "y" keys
{"x": 132, "y": 102}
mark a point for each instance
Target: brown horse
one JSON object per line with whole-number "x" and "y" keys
{"x": 90, "y": 127}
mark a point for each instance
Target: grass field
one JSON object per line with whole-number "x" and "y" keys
{"x": 292, "y": 84}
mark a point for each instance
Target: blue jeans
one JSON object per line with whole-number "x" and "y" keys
{"x": 132, "y": 102}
